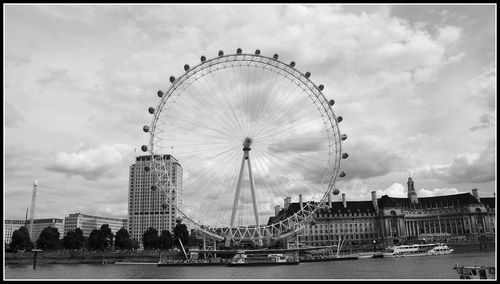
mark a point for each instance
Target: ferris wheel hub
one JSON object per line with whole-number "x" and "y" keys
{"x": 247, "y": 143}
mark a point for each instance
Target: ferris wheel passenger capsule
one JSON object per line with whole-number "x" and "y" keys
{"x": 342, "y": 174}
{"x": 154, "y": 187}
{"x": 186, "y": 67}
{"x": 144, "y": 148}
{"x": 336, "y": 191}
{"x": 339, "y": 118}
{"x": 172, "y": 79}
{"x": 275, "y": 56}
{"x": 345, "y": 155}
{"x": 257, "y": 52}
{"x": 238, "y": 50}
{"x": 160, "y": 93}
{"x": 321, "y": 87}
{"x": 145, "y": 128}
{"x": 343, "y": 137}
{"x": 164, "y": 205}
{"x": 221, "y": 53}
{"x": 147, "y": 169}
{"x": 203, "y": 58}
{"x": 151, "y": 110}
{"x": 292, "y": 64}
{"x": 331, "y": 102}
{"x": 308, "y": 74}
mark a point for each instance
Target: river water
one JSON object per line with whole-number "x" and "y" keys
{"x": 420, "y": 267}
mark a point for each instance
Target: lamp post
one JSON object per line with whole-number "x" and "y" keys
{"x": 374, "y": 245}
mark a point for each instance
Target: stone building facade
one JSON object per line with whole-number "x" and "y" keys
{"x": 389, "y": 220}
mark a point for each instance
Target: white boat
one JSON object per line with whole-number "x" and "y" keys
{"x": 417, "y": 250}
{"x": 475, "y": 272}
{"x": 241, "y": 259}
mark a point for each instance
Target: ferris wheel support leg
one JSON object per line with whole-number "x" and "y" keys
{"x": 238, "y": 190}
{"x": 254, "y": 200}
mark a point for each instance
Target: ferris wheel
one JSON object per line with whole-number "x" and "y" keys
{"x": 247, "y": 130}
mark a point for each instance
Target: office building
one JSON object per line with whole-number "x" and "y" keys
{"x": 148, "y": 205}
{"x": 87, "y": 223}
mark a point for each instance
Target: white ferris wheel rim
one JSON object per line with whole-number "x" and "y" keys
{"x": 305, "y": 214}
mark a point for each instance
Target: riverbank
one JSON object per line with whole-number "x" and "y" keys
{"x": 67, "y": 257}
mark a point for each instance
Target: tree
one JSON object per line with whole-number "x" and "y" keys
{"x": 74, "y": 239}
{"x": 181, "y": 233}
{"x": 122, "y": 240}
{"x": 97, "y": 240}
{"x": 135, "y": 244}
{"x": 108, "y": 236}
{"x": 49, "y": 239}
{"x": 166, "y": 240}
{"x": 21, "y": 240}
{"x": 150, "y": 238}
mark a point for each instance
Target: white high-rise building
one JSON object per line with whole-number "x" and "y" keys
{"x": 145, "y": 202}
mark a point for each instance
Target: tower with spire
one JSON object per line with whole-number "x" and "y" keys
{"x": 412, "y": 194}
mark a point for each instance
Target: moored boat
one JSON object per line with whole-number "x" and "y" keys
{"x": 475, "y": 272}
{"x": 417, "y": 250}
{"x": 242, "y": 259}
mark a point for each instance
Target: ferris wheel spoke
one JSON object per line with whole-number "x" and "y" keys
{"x": 207, "y": 111}
{"x": 275, "y": 123}
{"x": 263, "y": 95}
{"x": 202, "y": 122}
{"x": 285, "y": 130}
{"x": 195, "y": 126}
{"x": 224, "y": 103}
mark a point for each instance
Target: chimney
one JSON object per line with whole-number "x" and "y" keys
{"x": 475, "y": 194}
{"x": 330, "y": 200}
{"x": 277, "y": 210}
{"x": 288, "y": 200}
{"x": 374, "y": 200}
{"x": 300, "y": 202}
{"x": 343, "y": 200}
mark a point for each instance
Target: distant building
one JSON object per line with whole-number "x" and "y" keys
{"x": 392, "y": 220}
{"x": 38, "y": 225}
{"x": 147, "y": 204}
{"x": 9, "y": 226}
{"x": 87, "y": 223}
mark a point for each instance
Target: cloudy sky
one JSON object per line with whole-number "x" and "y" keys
{"x": 415, "y": 84}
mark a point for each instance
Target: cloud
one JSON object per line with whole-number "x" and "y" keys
{"x": 53, "y": 75}
{"x": 482, "y": 88}
{"x": 370, "y": 157}
{"x": 436, "y": 192}
{"x": 401, "y": 191}
{"x": 16, "y": 60}
{"x": 13, "y": 117}
{"x": 104, "y": 161}
{"x": 487, "y": 120}
{"x": 465, "y": 168}
{"x": 395, "y": 190}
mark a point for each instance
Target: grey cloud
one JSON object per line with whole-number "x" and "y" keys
{"x": 53, "y": 75}
{"x": 368, "y": 159}
{"x": 17, "y": 59}
{"x": 465, "y": 168}
{"x": 485, "y": 121}
{"x": 13, "y": 117}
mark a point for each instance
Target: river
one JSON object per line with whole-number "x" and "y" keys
{"x": 420, "y": 267}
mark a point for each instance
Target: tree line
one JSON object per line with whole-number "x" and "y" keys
{"x": 102, "y": 239}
